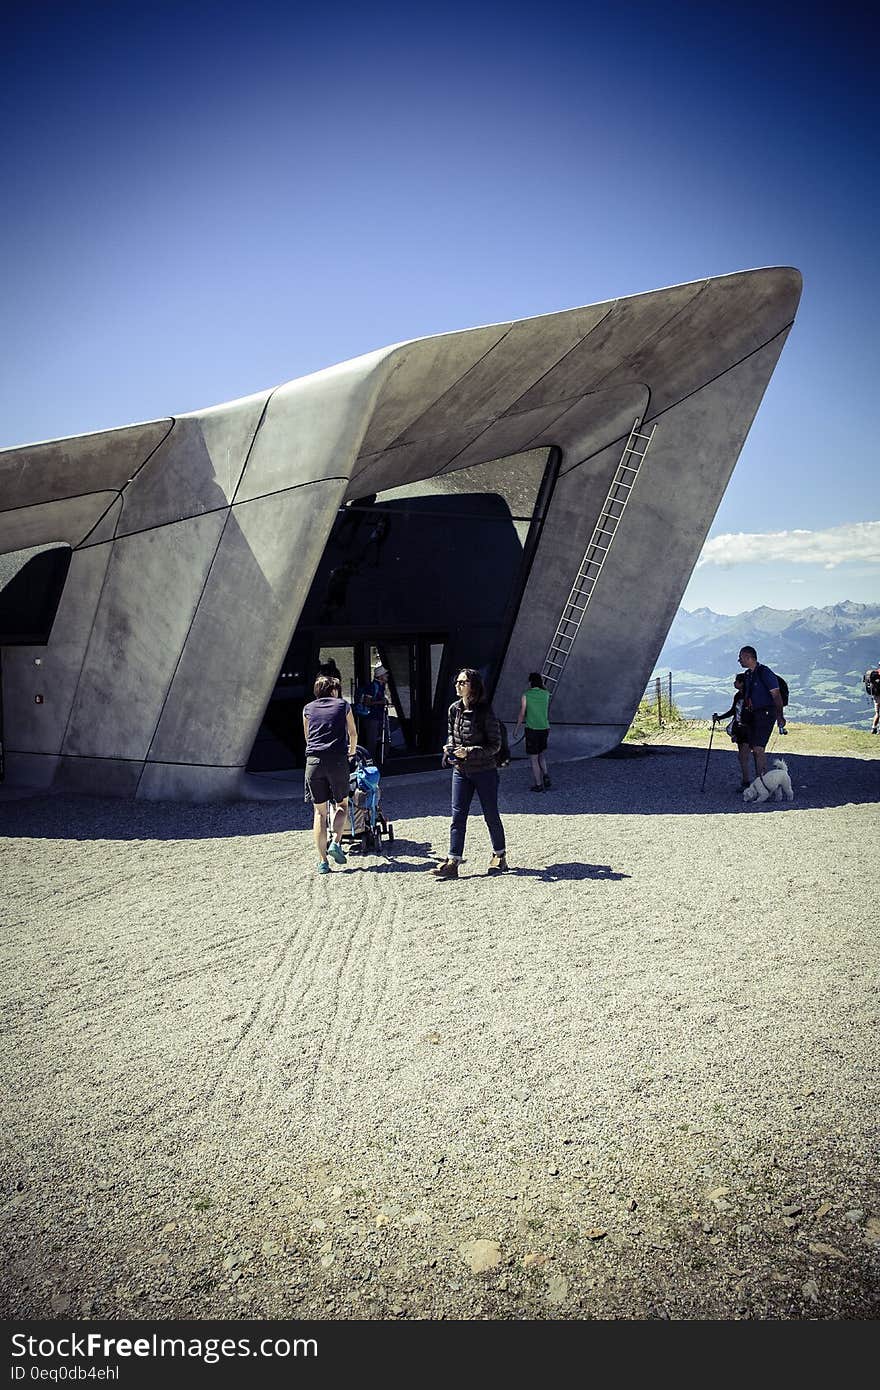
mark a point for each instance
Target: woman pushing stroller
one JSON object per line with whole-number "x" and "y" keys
{"x": 470, "y": 750}
{"x": 331, "y": 739}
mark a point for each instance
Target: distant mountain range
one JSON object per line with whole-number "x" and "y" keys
{"x": 822, "y": 653}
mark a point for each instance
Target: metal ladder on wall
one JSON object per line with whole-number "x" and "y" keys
{"x": 619, "y": 493}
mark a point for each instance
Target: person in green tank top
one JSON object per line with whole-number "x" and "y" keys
{"x": 533, "y": 712}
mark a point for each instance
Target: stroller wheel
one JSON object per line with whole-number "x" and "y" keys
{"x": 390, "y": 828}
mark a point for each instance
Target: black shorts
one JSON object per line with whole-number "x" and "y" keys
{"x": 761, "y": 727}
{"x": 327, "y": 777}
{"x": 536, "y": 741}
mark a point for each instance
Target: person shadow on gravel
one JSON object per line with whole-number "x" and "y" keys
{"x": 552, "y": 873}
{"x": 386, "y": 860}
{"x": 555, "y": 873}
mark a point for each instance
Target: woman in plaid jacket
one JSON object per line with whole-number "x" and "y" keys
{"x": 471, "y": 749}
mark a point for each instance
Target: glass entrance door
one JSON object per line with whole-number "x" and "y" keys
{"x": 413, "y": 665}
{"x": 414, "y": 725}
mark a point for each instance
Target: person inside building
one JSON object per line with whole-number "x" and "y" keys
{"x": 372, "y": 703}
{"x": 471, "y": 748}
{"x": 533, "y": 713}
{"x": 331, "y": 739}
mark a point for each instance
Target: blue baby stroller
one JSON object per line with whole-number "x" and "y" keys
{"x": 367, "y": 822}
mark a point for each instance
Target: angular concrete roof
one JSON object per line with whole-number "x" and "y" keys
{"x": 196, "y": 538}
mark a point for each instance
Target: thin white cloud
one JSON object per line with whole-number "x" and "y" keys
{"x": 858, "y": 541}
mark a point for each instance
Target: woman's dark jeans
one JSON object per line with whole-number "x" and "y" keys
{"x": 485, "y": 784}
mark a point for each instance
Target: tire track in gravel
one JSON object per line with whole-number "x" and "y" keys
{"x": 254, "y": 1054}
{"x": 361, "y": 984}
{"x": 282, "y": 1030}
{"x": 156, "y": 982}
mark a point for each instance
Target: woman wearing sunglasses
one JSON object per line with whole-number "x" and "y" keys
{"x": 474, "y": 740}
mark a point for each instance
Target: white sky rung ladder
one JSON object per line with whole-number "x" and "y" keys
{"x": 619, "y": 493}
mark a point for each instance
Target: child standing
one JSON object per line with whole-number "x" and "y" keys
{"x": 737, "y": 727}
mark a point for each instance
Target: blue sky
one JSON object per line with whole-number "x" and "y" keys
{"x": 204, "y": 200}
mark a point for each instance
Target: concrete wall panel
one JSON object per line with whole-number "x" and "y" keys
{"x": 81, "y": 776}
{"x": 105, "y": 528}
{"x": 68, "y": 520}
{"x": 258, "y": 584}
{"x": 84, "y": 463}
{"x": 171, "y": 782}
{"x": 618, "y": 335}
{"x": 197, "y": 467}
{"x": 732, "y": 317}
{"x": 568, "y": 525}
{"x": 576, "y": 502}
{"x": 656, "y": 546}
{"x": 154, "y": 581}
{"x": 35, "y": 770}
{"x": 313, "y": 428}
{"x": 420, "y": 374}
{"x": 526, "y": 353}
{"x": 34, "y": 728}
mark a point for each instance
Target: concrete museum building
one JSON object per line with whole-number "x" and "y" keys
{"x": 530, "y": 495}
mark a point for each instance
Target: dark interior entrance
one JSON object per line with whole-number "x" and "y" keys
{"x": 31, "y": 585}
{"x": 417, "y": 680}
{"x": 425, "y": 578}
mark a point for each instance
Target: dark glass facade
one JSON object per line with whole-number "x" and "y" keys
{"x": 425, "y": 579}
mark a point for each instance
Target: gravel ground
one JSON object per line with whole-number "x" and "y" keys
{"x": 633, "y": 1078}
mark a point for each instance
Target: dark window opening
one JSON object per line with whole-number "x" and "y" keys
{"x": 31, "y": 584}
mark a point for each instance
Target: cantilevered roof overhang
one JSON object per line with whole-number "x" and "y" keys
{"x": 195, "y": 538}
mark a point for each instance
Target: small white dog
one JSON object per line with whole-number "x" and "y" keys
{"x": 775, "y": 779}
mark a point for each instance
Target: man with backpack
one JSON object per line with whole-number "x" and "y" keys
{"x": 872, "y": 687}
{"x": 764, "y": 705}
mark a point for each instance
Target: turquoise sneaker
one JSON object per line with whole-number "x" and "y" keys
{"x": 337, "y": 851}
{"x": 323, "y": 867}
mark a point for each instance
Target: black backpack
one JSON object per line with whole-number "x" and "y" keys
{"x": 872, "y": 683}
{"x": 783, "y": 683}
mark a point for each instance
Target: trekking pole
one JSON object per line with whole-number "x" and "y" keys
{"x": 708, "y": 751}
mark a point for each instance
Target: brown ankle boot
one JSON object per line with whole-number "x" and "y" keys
{"x": 498, "y": 864}
{"x": 448, "y": 869}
